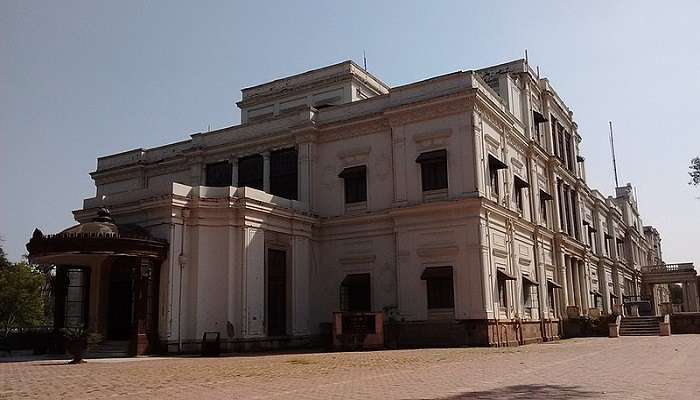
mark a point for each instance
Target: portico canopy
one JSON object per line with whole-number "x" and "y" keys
{"x": 100, "y": 237}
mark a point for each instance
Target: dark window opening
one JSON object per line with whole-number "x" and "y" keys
{"x": 620, "y": 244}
{"x": 493, "y": 181}
{"x": 529, "y": 294}
{"x": 433, "y": 169}
{"x": 76, "y": 306}
{"x": 494, "y": 165}
{"x": 219, "y": 174}
{"x": 439, "y": 286}
{"x": 538, "y": 119}
{"x": 355, "y": 179}
{"x": 518, "y": 194}
{"x": 250, "y": 171}
{"x": 356, "y": 293}
{"x": 502, "y": 293}
{"x": 519, "y": 185}
{"x": 283, "y": 173}
{"x": 276, "y": 292}
{"x": 550, "y": 298}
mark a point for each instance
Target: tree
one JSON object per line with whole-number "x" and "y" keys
{"x": 21, "y": 300}
{"x": 694, "y": 171}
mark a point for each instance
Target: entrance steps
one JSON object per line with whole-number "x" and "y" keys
{"x": 640, "y": 326}
{"x": 109, "y": 349}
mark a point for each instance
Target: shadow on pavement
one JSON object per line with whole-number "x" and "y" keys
{"x": 522, "y": 392}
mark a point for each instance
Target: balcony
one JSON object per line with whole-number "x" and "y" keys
{"x": 665, "y": 268}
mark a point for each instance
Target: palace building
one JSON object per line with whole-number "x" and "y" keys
{"x": 456, "y": 208}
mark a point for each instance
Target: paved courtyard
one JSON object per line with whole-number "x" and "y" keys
{"x": 594, "y": 368}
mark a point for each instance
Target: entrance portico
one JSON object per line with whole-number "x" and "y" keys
{"x": 670, "y": 274}
{"x": 106, "y": 279}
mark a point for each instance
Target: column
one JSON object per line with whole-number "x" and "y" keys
{"x": 254, "y": 283}
{"x": 577, "y": 282}
{"x": 583, "y": 285}
{"x": 562, "y": 209}
{"x": 564, "y": 281}
{"x": 571, "y": 300}
{"x": 304, "y": 174}
{"x": 603, "y": 287}
{"x": 234, "y": 171}
{"x": 692, "y": 289}
{"x": 266, "y": 171}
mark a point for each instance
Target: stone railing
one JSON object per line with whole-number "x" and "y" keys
{"x": 663, "y": 268}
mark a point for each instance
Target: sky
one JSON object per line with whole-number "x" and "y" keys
{"x": 83, "y": 79}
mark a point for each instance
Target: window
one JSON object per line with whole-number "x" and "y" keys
{"x": 607, "y": 244}
{"x": 544, "y": 198}
{"x": 620, "y": 248}
{"x": 502, "y": 277}
{"x": 494, "y": 165}
{"x": 555, "y": 137}
{"x": 283, "y": 173}
{"x": 433, "y": 169}
{"x": 551, "y": 299}
{"x": 250, "y": 171}
{"x": 439, "y": 286}
{"x": 493, "y": 181}
{"x": 569, "y": 151}
{"x": 355, "y": 293}
{"x": 538, "y": 119}
{"x": 355, "y": 179}
{"x": 518, "y": 185}
{"x": 502, "y": 294}
{"x": 218, "y": 174}
{"x": 529, "y": 298}
{"x": 76, "y": 306}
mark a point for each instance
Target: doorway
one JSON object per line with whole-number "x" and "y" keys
{"x": 120, "y": 302}
{"x": 276, "y": 293}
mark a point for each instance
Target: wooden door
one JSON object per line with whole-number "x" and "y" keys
{"x": 276, "y": 293}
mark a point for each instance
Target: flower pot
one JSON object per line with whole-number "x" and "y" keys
{"x": 76, "y": 348}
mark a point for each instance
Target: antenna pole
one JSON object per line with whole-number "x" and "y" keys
{"x": 364, "y": 59}
{"x": 612, "y": 147}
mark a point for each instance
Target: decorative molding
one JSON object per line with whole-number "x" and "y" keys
{"x": 362, "y": 259}
{"x": 429, "y": 140}
{"x": 435, "y": 108}
{"x": 499, "y": 253}
{"x": 356, "y": 155}
{"x": 430, "y": 252}
{"x": 332, "y": 133}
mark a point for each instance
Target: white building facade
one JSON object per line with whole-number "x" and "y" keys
{"x": 458, "y": 206}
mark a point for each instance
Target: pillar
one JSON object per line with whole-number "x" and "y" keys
{"x": 234, "y": 171}
{"x": 584, "y": 286}
{"x": 254, "y": 283}
{"x": 564, "y": 281}
{"x": 266, "y": 171}
{"x": 577, "y": 282}
{"x": 304, "y": 175}
{"x": 692, "y": 289}
{"x": 603, "y": 287}
{"x": 571, "y": 300}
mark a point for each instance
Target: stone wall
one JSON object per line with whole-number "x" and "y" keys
{"x": 685, "y": 323}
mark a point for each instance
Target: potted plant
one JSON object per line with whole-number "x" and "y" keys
{"x": 76, "y": 343}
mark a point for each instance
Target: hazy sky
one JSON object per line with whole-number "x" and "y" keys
{"x": 85, "y": 79}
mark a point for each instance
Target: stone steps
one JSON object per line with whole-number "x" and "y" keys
{"x": 640, "y": 326}
{"x": 109, "y": 349}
